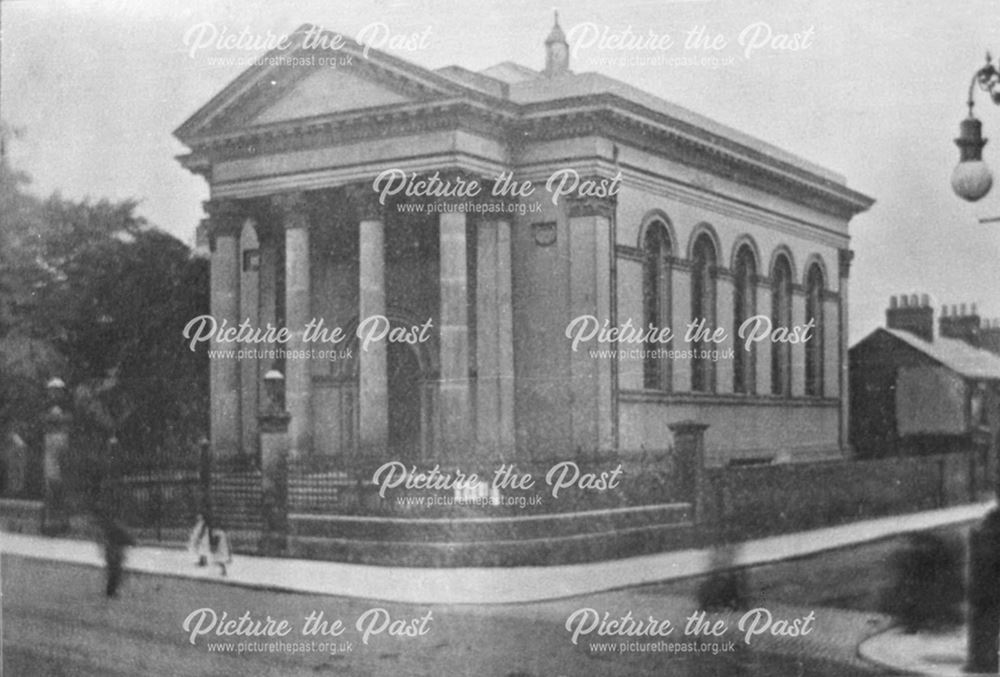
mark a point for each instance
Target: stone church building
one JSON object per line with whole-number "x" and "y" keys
{"x": 705, "y": 222}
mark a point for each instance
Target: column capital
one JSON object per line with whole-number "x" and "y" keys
{"x": 225, "y": 217}
{"x": 362, "y": 198}
{"x": 844, "y": 258}
{"x": 292, "y": 209}
{"x": 578, "y": 206}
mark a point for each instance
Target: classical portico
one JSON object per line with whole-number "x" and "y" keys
{"x": 337, "y": 256}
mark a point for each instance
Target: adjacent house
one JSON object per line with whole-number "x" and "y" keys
{"x": 918, "y": 388}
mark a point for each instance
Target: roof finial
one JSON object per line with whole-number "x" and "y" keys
{"x": 556, "y": 49}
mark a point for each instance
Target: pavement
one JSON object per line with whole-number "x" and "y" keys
{"x": 923, "y": 653}
{"x": 941, "y": 654}
{"x": 490, "y": 585}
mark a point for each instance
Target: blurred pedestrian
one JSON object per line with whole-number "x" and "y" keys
{"x": 115, "y": 539}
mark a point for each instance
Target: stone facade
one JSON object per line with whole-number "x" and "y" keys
{"x": 297, "y": 233}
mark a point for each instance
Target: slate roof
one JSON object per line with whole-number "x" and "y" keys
{"x": 527, "y": 86}
{"x": 957, "y": 355}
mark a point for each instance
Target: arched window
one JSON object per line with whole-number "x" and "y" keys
{"x": 815, "y": 284}
{"x": 781, "y": 316}
{"x": 703, "y": 261}
{"x": 656, "y": 301}
{"x": 744, "y": 307}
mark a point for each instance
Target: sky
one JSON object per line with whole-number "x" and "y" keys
{"x": 875, "y": 91}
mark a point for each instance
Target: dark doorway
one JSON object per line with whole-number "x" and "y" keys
{"x": 404, "y": 401}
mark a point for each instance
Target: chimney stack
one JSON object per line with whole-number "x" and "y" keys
{"x": 912, "y": 313}
{"x": 962, "y": 324}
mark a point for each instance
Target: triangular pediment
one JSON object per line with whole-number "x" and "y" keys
{"x": 302, "y": 82}
{"x": 326, "y": 91}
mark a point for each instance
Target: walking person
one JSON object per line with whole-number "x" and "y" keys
{"x": 115, "y": 539}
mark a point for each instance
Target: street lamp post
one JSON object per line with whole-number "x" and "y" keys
{"x": 972, "y": 178}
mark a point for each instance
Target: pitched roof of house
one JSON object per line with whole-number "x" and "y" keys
{"x": 957, "y": 355}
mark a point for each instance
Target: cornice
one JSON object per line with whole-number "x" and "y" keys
{"x": 696, "y": 149}
{"x": 334, "y": 130}
{"x": 667, "y": 397}
{"x": 443, "y": 104}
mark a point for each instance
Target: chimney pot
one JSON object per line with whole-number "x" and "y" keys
{"x": 892, "y": 302}
{"x": 925, "y": 300}
{"x": 914, "y": 300}
{"x": 962, "y": 307}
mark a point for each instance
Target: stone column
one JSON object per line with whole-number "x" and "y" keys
{"x": 798, "y": 350}
{"x": 249, "y": 310}
{"x": 844, "y": 257}
{"x": 590, "y": 251}
{"x": 373, "y": 385}
{"x": 680, "y": 271}
{"x": 724, "y": 319}
{"x": 293, "y": 211}
{"x": 454, "y": 386}
{"x": 763, "y": 354}
{"x": 226, "y": 218}
{"x": 494, "y": 341}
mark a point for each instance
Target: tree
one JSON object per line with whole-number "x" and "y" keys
{"x": 90, "y": 291}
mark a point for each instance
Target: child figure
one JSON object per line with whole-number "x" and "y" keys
{"x": 219, "y": 548}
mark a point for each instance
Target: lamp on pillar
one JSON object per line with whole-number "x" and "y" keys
{"x": 274, "y": 389}
{"x": 57, "y": 424}
{"x": 274, "y": 444}
{"x": 56, "y": 390}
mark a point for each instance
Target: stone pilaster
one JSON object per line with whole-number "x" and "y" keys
{"x": 226, "y": 218}
{"x": 292, "y": 209}
{"x": 831, "y": 344}
{"x": 680, "y": 271}
{"x": 494, "y": 341}
{"x": 590, "y": 251}
{"x": 844, "y": 258}
{"x": 798, "y": 350}
{"x": 724, "y": 320}
{"x": 763, "y": 354}
{"x": 455, "y": 391}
